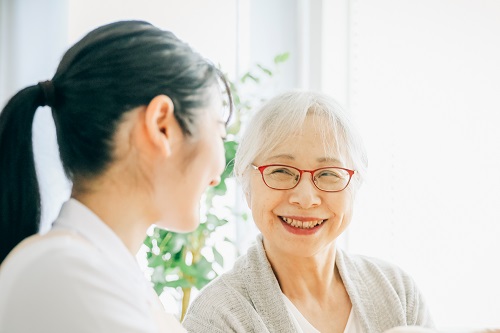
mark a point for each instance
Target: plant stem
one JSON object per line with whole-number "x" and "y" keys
{"x": 186, "y": 295}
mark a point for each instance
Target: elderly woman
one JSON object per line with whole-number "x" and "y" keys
{"x": 301, "y": 163}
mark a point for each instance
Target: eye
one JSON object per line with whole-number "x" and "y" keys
{"x": 281, "y": 172}
{"x": 286, "y": 171}
{"x": 326, "y": 173}
{"x": 330, "y": 174}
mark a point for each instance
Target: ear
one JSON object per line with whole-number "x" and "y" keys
{"x": 161, "y": 126}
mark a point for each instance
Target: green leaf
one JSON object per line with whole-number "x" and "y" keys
{"x": 158, "y": 288}
{"x": 180, "y": 283}
{"x": 203, "y": 267}
{"x": 188, "y": 270}
{"x": 228, "y": 171}
{"x": 175, "y": 245}
{"x": 280, "y": 58}
{"x": 234, "y": 128}
{"x": 249, "y": 76}
{"x": 265, "y": 70}
{"x": 218, "y": 257}
{"x": 160, "y": 233}
{"x": 215, "y": 220}
{"x": 155, "y": 261}
{"x": 228, "y": 240}
{"x": 230, "y": 147}
{"x": 148, "y": 242}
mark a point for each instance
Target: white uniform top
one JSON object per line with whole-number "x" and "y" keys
{"x": 78, "y": 278}
{"x": 304, "y": 326}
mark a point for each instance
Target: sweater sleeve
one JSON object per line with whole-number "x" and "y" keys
{"x": 199, "y": 324}
{"x": 382, "y": 294}
{"x": 411, "y": 299}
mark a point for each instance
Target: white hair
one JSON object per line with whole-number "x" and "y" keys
{"x": 283, "y": 116}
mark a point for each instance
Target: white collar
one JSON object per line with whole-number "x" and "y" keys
{"x": 77, "y": 217}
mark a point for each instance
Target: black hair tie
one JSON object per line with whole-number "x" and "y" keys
{"x": 49, "y": 93}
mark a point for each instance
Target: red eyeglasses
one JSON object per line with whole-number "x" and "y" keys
{"x": 285, "y": 177}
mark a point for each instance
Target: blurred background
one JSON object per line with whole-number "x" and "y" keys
{"x": 421, "y": 79}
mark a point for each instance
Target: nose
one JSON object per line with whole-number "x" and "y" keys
{"x": 305, "y": 194}
{"x": 215, "y": 181}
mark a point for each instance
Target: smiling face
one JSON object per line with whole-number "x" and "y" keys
{"x": 302, "y": 221}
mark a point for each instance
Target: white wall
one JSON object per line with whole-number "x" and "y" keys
{"x": 31, "y": 42}
{"x": 422, "y": 80}
{"x": 208, "y": 26}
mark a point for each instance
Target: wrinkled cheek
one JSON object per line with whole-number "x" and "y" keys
{"x": 271, "y": 222}
{"x": 260, "y": 218}
{"x": 350, "y": 209}
{"x": 347, "y": 216}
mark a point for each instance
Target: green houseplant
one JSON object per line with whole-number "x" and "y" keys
{"x": 184, "y": 261}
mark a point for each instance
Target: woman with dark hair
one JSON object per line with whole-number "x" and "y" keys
{"x": 139, "y": 129}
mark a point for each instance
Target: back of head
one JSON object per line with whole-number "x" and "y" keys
{"x": 283, "y": 116}
{"x": 112, "y": 70}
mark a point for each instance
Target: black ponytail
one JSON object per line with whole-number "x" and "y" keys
{"x": 19, "y": 190}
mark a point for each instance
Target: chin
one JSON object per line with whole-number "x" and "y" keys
{"x": 189, "y": 226}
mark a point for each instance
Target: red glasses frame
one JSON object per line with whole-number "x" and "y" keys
{"x": 263, "y": 167}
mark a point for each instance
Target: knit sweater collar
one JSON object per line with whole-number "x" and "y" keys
{"x": 264, "y": 291}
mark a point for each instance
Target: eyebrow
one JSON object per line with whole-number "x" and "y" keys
{"x": 285, "y": 156}
{"x": 329, "y": 159}
{"x": 292, "y": 158}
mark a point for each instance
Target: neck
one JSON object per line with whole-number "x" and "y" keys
{"x": 122, "y": 210}
{"x": 303, "y": 277}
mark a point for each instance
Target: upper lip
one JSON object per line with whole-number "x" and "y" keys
{"x": 303, "y": 218}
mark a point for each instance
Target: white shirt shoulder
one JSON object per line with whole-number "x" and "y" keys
{"x": 77, "y": 279}
{"x": 63, "y": 284}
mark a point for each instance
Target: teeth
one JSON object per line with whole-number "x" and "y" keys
{"x": 300, "y": 224}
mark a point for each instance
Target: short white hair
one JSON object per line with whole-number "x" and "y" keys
{"x": 283, "y": 116}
